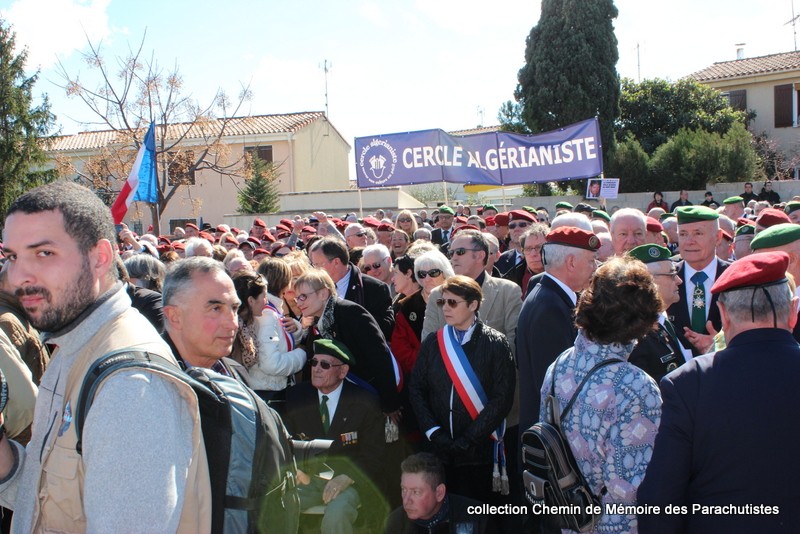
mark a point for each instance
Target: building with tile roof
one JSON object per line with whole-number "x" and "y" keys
{"x": 312, "y": 156}
{"x": 768, "y": 85}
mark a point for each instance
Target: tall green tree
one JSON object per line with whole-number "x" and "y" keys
{"x": 570, "y": 70}
{"x": 653, "y": 111}
{"x": 260, "y": 194}
{"x": 23, "y": 126}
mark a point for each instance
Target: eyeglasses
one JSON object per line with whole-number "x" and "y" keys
{"x": 528, "y": 250}
{"x": 367, "y": 268}
{"x": 302, "y": 297}
{"x": 403, "y": 220}
{"x": 323, "y": 364}
{"x": 460, "y": 251}
{"x": 452, "y": 303}
{"x": 433, "y": 273}
{"x": 521, "y": 224}
{"x": 671, "y": 274}
{"x": 359, "y": 234}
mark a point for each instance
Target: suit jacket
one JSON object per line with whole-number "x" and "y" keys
{"x": 438, "y": 239}
{"x": 356, "y": 428}
{"x": 374, "y": 296}
{"x": 356, "y": 328}
{"x": 657, "y": 353}
{"x": 502, "y": 301}
{"x": 727, "y": 437}
{"x": 679, "y": 312}
{"x": 546, "y": 329}
{"x": 507, "y": 261}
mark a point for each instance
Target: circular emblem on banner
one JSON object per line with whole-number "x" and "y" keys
{"x": 412, "y": 316}
{"x": 653, "y": 252}
{"x": 594, "y": 242}
{"x": 377, "y": 161}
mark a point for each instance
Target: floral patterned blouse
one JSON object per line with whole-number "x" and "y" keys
{"x": 611, "y": 426}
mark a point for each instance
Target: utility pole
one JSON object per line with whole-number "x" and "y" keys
{"x": 326, "y": 67}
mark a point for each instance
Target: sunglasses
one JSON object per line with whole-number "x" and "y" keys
{"x": 460, "y": 251}
{"x": 450, "y": 302}
{"x": 521, "y": 224}
{"x": 369, "y": 267}
{"x": 302, "y": 297}
{"x": 433, "y": 273}
{"x": 403, "y": 220}
{"x": 359, "y": 234}
{"x": 324, "y": 365}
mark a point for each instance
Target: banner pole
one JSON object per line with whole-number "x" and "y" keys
{"x": 360, "y": 204}
{"x": 444, "y": 186}
{"x": 504, "y": 197}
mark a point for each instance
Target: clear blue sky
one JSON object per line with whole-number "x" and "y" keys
{"x": 396, "y": 66}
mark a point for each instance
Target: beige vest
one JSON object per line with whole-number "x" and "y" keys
{"x": 60, "y": 496}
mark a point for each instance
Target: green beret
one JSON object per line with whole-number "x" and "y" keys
{"x": 791, "y": 206}
{"x": 651, "y": 253}
{"x": 746, "y": 229}
{"x": 489, "y": 207}
{"x": 664, "y": 216}
{"x": 446, "y": 209}
{"x": 732, "y": 200}
{"x": 334, "y": 348}
{"x": 564, "y": 206}
{"x": 600, "y": 214}
{"x": 693, "y": 214}
{"x": 776, "y": 236}
{"x": 529, "y": 209}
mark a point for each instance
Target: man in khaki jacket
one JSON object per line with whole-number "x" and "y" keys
{"x": 141, "y": 465}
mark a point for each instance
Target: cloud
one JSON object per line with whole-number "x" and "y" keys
{"x": 56, "y": 28}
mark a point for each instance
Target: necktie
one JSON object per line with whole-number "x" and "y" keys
{"x": 699, "y": 302}
{"x": 323, "y": 412}
{"x": 445, "y": 235}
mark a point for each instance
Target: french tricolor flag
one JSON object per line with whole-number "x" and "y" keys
{"x": 141, "y": 184}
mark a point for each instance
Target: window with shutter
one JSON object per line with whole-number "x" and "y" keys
{"x": 783, "y": 106}
{"x": 738, "y": 99}
{"x": 264, "y": 153}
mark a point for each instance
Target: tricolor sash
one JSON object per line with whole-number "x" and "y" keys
{"x": 474, "y": 398}
{"x": 286, "y": 335}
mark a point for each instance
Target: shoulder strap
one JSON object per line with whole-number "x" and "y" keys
{"x": 558, "y": 417}
{"x": 105, "y": 366}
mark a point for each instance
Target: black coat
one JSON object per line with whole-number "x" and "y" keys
{"x": 679, "y": 312}
{"x": 507, "y": 261}
{"x": 398, "y": 522}
{"x": 546, "y": 329}
{"x": 657, "y": 353}
{"x": 430, "y": 389}
{"x": 357, "y": 412}
{"x": 148, "y": 303}
{"x": 728, "y": 436}
{"x": 356, "y": 328}
{"x": 373, "y": 295}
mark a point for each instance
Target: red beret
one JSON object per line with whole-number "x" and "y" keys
{"x": 164, "y": 248}
{"x": 490, "y": 220}
{"x": 180, "y": 245}
{"x": 208, "y": 237}
{"x": 309, "y": 229}
{"x": 164, "y": 240}
{"x": 759, "y": 269}
{"x": 741, "y": 221}
{"x": 259, "y": 223}
{"x": 283, "y": 227}
{"x": 235, "y": 231}
{"x": 573, "y": 237}
{"x": 771, "y": 216}
{"x": 230, "y": 239}
{"x": 654, "y": 226}
{"x": 288, "y": 223}
{"x": 727, "y": 235}
{"x": 261, "y": 251}
{"x": 461, "y": 219}
{"x": 267, "y": 237}
{"x": 386, "y": 227}
{"x": 371, "y": 222}
{"x": 501, "y": 219}
{"x": 192, "y": 225}
{"x": 465, "y": 227}
{"x": 220, "y": 228}
{"x": 521, "y": 215}
{"x": 340, "y": 224}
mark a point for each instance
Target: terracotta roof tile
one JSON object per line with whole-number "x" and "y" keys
{"x": 478, "y": 130}
{"x": 753, "y": 66}
{"x": 255, "y": 125}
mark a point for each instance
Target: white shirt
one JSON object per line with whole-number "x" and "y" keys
{"x": 711, "y": 273}
{"x": 333, "y": 399}
{"x": 570, "y": 293}
{"x": 341, "y": 288}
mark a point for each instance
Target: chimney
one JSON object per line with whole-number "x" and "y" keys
{"x": 740, "y": 50}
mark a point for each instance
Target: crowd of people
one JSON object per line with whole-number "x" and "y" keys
{"x": 417, "y": 347}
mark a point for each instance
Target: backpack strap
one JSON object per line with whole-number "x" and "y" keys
{"x": 111, "y": 363}
{"x": 558, "y": 417}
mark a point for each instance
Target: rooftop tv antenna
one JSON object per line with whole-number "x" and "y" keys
{"x": 793, "y": 22}
{"x": 326, "y": 66}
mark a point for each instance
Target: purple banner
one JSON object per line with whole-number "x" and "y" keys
{"x": 495, "y": 158}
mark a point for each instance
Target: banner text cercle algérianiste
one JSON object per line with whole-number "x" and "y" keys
{"x": 493, "y": 158}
